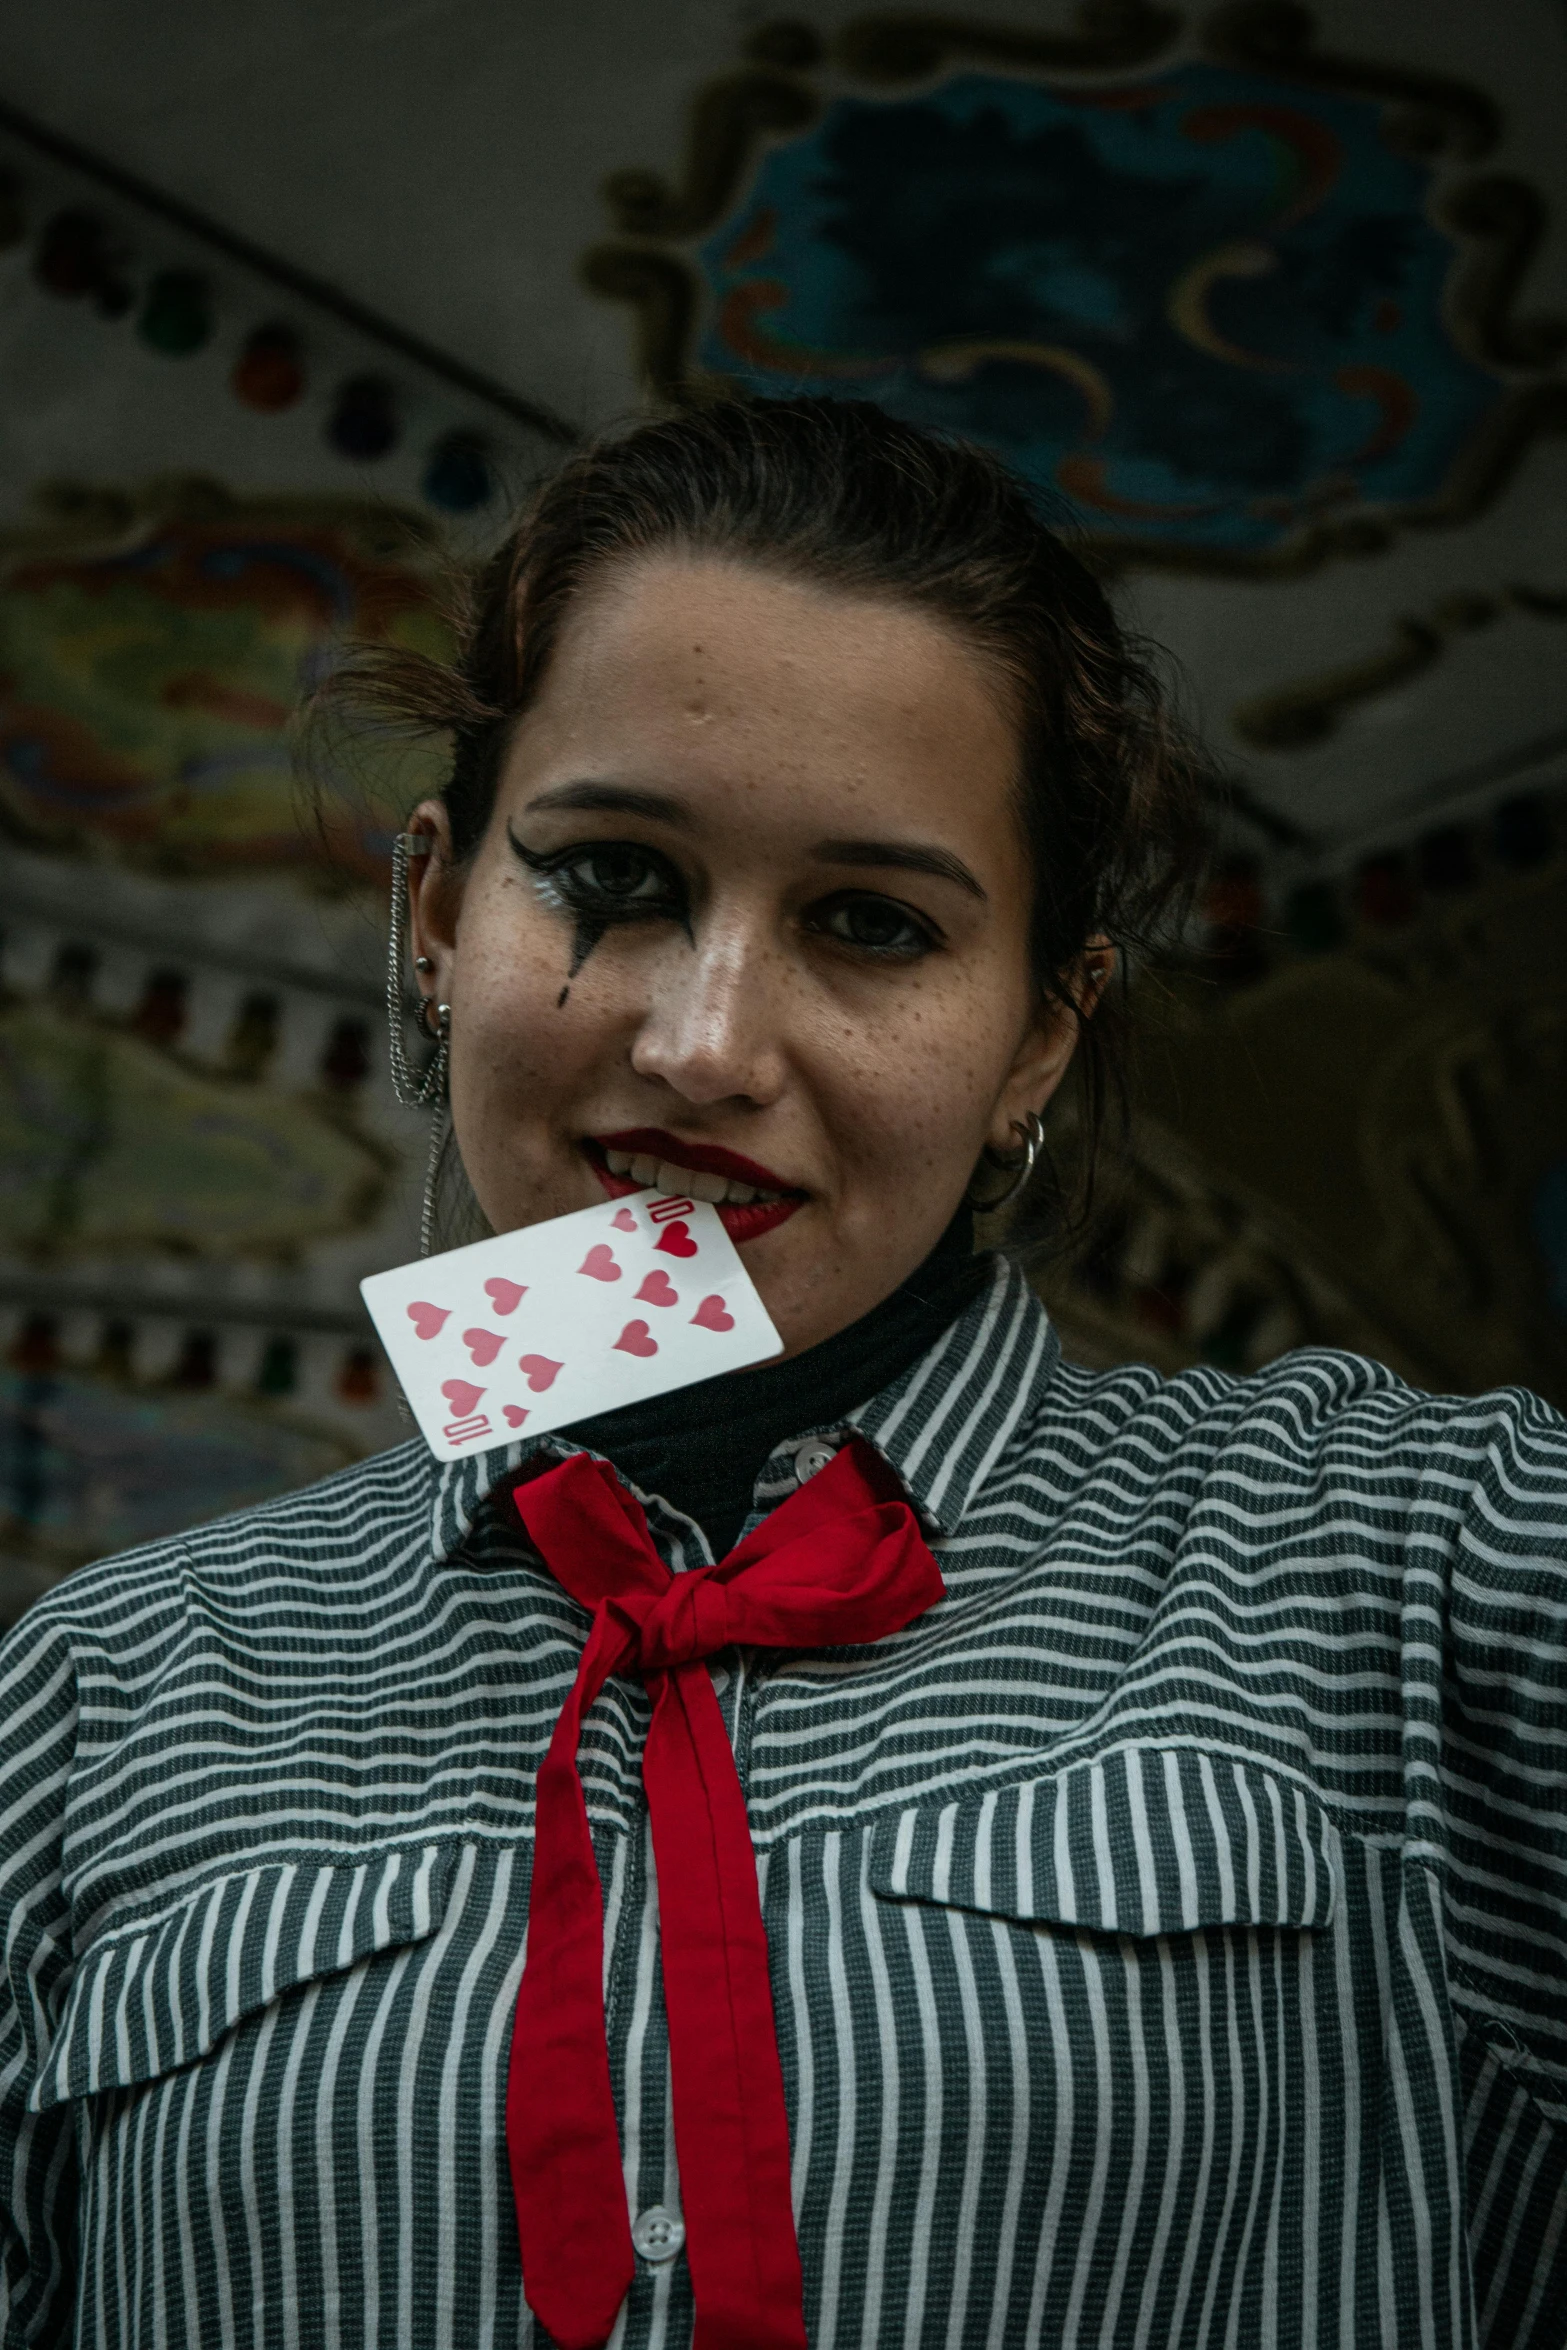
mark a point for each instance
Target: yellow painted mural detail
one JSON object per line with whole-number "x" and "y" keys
{"x": 108, "y": 1145}
{"x": 147, "y": 692}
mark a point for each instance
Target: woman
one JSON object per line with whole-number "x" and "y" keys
{"x": 1165, "y": 1906}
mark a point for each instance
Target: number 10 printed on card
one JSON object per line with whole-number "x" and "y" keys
{"x": 538, "y": 1328}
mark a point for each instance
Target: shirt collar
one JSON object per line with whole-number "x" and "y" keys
{"x": 942, "y": 1425}
{"x": 947, "y": 1421}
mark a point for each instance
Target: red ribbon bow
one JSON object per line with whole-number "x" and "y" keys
{"x": 842, "y": 1560}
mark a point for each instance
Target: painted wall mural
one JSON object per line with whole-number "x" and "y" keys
{"x": 89, "y": 1459}
{"x": 109, "y": 1142}
{"x": 1077, "y": 276}
{"x": 1243, "y": 304}
{"x": 1353, "y": 1131}
{"x": 196, "y": 1158}
{"x": 150, "y": 680}
{"x": 199, "y": 1154}
{"x": 1234, "y": 313}
{"x": 196, "y": 1164}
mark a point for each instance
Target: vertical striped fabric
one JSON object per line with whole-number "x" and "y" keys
{"x": 1169, "y": 1931}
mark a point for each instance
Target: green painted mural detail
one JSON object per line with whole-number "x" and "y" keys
{"x": 107, "y": 1144}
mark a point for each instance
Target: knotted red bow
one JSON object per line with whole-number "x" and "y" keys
{"x": 842, "y": 1560}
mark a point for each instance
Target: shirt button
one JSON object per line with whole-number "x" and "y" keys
{"x": 814, "y": 1454}
{"x": 658, "y": 2235}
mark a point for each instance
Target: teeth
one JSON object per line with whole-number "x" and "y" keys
{"x": 694, "y": 1181}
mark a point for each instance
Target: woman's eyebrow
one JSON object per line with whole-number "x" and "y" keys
{"x": 612, "y": 799}
{"x": 626, "y": 799}
{"x": 903, "y": 857}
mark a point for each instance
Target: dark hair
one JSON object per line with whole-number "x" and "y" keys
{"x": 840, "y": 494}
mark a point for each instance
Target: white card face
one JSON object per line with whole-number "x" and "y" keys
{"x": 535, "y": 1329}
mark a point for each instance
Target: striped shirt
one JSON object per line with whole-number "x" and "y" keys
{"x": 1168, "y": 1931}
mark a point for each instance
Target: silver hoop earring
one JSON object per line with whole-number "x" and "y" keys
{"x": 1032, "y": 1130}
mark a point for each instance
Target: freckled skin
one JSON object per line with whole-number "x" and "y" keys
{"x": 779, "y": 716}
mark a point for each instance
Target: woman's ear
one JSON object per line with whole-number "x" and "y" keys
{"x": 434, "y": 895}
{"x": 1045, "y": 1053}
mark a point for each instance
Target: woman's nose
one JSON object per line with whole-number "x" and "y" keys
{"x": 713, "y": 1028}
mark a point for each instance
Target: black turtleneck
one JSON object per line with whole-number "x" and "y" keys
{"x": 702, "y": 1448}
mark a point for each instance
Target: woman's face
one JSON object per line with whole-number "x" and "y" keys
{"x": 748, "y": 921}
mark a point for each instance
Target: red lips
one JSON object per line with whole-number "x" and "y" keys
{"x": 742, "y": 1223}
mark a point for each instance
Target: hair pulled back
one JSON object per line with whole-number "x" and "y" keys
{"x": 841, "y": 495}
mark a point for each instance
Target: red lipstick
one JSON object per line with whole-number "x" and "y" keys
{"x": 742, "y": 1221}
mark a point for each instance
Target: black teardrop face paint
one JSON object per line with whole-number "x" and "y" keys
{"x": 593, "y": 906}
{"x": 589, "y": 929}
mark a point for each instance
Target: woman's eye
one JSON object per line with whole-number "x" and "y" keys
{"x": 607, "y": 878}
{"x": 876, "y": 926}
{"x": 615, "y": 870}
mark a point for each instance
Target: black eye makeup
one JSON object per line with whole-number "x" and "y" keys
{"x": 604, "y": 882}
{"x": 600, "y": 884}
{"x": 611, "y": 877}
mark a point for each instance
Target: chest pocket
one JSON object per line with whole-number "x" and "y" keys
{"x": 158, "y": 1994}
{"x": 1146, "y": 1840}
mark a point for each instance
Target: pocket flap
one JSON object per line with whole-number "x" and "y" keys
{"x": 161, "y": 1992}
{"x": 1144, "y": 1840}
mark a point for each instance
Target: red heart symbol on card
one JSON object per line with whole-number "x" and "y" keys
{"x": 637, "y": 1339}
{"x": 460, "y": 1396}
{"x": 658, "y": 1289}
{"x": 514, "y": 1414}
{"x": 676, "y": 1241}
{"x": 600, "y": 1264}
{"x": 623, "y": 1220}
{"x": 505, "y": 1296}
{"x": 539, "y": 1372}
{"x": 713, "y": 1314}
{"x": 427, "y": 1319}
{"x": 483, "y": 1345}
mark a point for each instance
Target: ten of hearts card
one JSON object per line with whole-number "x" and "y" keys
{"x": 538, "y": 1328}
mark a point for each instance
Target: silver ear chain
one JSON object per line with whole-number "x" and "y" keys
{"x": 1032, "y": 1129}
{"x": 440, "y": 1133}
{"x": 426, "y": 1088}
{"x": 423, "y": 1090}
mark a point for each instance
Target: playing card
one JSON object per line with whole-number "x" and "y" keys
{"x": 534, "y": 1329}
